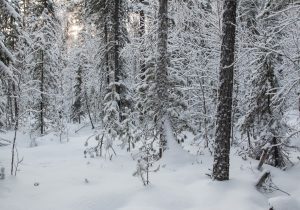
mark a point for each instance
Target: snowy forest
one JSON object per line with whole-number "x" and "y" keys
{"x": 149, "y": 104}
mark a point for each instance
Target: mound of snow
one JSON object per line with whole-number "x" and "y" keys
{"x": 284, "y": 203}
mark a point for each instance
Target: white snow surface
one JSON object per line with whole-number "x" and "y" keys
{"x": 284, "y": 203}
{"x": 68, "y": 181}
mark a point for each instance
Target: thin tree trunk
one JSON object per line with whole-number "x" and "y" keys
{"x": 142, "y": 33}
{"x": 299, "y": 106}
{"x": 205, "y": 115}
{"x": 276, "y": 153}
{"x": 249, "y": 140}
{"x": 15, "y": 132}
{"x": 106, "y": 47}
{"x": 142, "y": 21}
{"x": 116, "y": 40}
{"x": 42, "y": 94}
{"x": 263, "y": 158}
{"x": 88, "y": 109}
{"x": 16, "y": 107}
{"x": 223, "y": 126}
{"x": 13, "y": 153}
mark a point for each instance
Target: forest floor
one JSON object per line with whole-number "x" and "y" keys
{"x": 67, "y": 181}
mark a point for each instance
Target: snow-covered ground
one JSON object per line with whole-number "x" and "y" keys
{"x": 68, "y": 181}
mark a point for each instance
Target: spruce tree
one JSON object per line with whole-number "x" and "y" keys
{"x": 9, "y": 33}
{"x": 77, "y": 109}
{"x": 43, "y": 29}
{"x": 262, "y": 122}
{"x": 109, "y": 18}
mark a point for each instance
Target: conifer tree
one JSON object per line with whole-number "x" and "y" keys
{"x": 77, "y": 106}
{"x": 43, "y": 29}
{"x": 263, "y": 122}
{"x": 109, "y": 17}
{"x": 9, "y": 33}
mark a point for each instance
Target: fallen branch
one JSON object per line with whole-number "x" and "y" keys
{"x": 2, "y": 139}
{"x": 85, "y": 125}
{"x": 4, "y": 142}
{"x": 265, "y": 183}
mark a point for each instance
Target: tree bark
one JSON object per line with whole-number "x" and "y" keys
{"x": 142, "y": 21}
{"x": 162, "y": 69}
{"x": 88, "y": 109}
{"x": 116, "y": 41}
{"x": 276, "y": 153}
{"x": 142, "y": 33}
{"x": 263, "y": 158}
{"x": 42, "y": 94}
{"x": 224, "y": 110}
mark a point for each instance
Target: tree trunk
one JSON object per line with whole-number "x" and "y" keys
{"x": 223, "y": 126}
{"x": 299, "y": 106}
{"x": 142, "y": 33}
{"x": 276, "y": 153}
{"x": 42, "y": 94}
{"x": 263, "y": 158}
{"x": 142, "y": 21}
{"x": 116, "y": 41}
{"x": 205, "y": 114}
{"x": 88, "y": 109}
{"x": 162, "y": 69}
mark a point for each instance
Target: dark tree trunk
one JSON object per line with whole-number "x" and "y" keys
{"x": 106, "y": 47}
{"x": 16, "y": 107}
{"x": 141, "y": 33}
{"x": 42, "y": 107}
{"x": 299, "y": 106}
{"x": 116, "y": 40}
{"x": 113, "y": 44}
{"x": 142, "y": 21}
{"x": 276, "y": 153}
{"x": 117, "y": 31}
{"x": 162, "y": 68}
{"x": 88, "y": 109}
{"x": 12, "y": 167}
{"x": 223, "y": 126}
